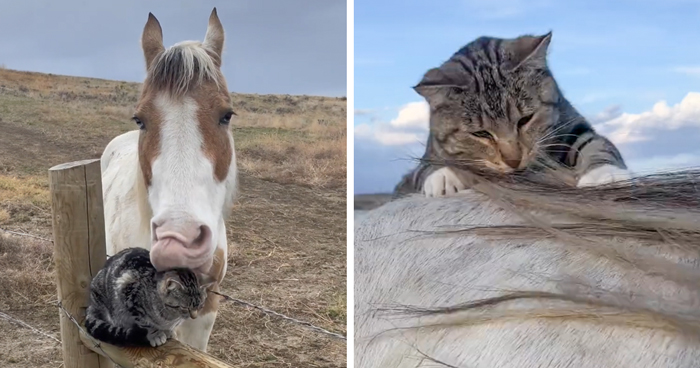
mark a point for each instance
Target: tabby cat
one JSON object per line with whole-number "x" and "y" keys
{"x": 131, "y": 304}
{"x": 495, "y": 106}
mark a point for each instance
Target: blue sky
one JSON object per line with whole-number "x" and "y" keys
{"x": 631, "y": 67}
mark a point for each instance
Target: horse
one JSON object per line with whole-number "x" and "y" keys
{"x": 169, "y": 185}
{"x": 521, "y": 274}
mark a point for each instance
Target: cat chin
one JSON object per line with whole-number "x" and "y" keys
{"x": 603, "y": 175}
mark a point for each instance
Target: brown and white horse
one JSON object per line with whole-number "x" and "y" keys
{"x": 169, "y": 185}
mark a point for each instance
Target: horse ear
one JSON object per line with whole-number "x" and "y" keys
{"x": 214, "y": 39}
{"x": 152, "y": 40}
{"x": 530, "y": 50}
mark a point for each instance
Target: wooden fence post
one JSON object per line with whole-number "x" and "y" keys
{"x": 79, "y": 253}
{"x": 79, "y": 250}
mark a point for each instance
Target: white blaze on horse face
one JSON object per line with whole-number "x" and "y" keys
{"x": 184, "y": 194}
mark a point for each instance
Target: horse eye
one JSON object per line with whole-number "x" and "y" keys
{"x": 483, "y": 134}
{"x": 226, "y": 119}
{"x": 522, "y": 122}
{"x": 138, "y": 122}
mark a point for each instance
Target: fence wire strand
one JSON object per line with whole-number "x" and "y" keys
{"x": 17, "y": 233}
{"x": 280, "y": 315}
{"x": 16, "y": 321}
{"x": 95, "y": 342}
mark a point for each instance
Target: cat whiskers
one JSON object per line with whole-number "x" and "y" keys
{"x": 552, "y": 133}
{"x": 550, "y": 138}
{"x": 566, "y": 148}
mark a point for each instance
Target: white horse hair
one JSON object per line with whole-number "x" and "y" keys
{"x": 523, "y": 275}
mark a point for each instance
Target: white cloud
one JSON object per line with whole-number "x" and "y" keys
{"x": 688, "y": 70}
{"x": 363, "y": 130}
{"x": 628, "y": 128}
{"x": 413, "y": 115}
{"x": 389, "y": 138}
{"x": 387, "y": 135}
{"x": 610, "y": 112}
{"x": 410, "y": 126}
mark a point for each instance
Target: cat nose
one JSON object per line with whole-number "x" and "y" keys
{"x": 511, "y": 155}
{"x": 513, "y": 163}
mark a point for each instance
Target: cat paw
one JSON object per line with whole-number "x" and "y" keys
{"x": 603, "y": 175}
{"x": 157, "y": 337}
{"x": 442, "y": 182}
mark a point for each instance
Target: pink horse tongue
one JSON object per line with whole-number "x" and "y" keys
{"x": 170, "y": 253}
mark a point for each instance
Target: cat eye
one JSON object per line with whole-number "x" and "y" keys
{"x": 523, "y": 121}
{"x": 483, "y": 134}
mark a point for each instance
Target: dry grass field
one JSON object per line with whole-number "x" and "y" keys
{"x": 287, "y": 233}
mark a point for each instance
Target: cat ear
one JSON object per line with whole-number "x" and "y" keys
{"x": 435, "y": 84}
{"x": 528, "y": 50}
{"x": 171, "y": 284}
{"x": 430, "y": 83}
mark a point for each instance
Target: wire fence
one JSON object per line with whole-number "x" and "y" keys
{"x": 18, "y": 233}
{"x": 19, "y": 322}
{"x": 227, "y": 297}
{"x": 280, "y": 315}
{"x": 96, "y": 343}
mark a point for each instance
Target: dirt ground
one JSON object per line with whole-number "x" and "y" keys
{"x": 287, "y": 233}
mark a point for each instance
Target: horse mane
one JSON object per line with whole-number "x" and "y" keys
{"x": 662, "y": 209}
{"x": 660, "y": 206}
{"x": 182, "y": 67}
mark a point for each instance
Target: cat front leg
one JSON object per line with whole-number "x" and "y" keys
{"x": 442, "y": 182}
{"x": 170, "y": 334}
{"x": 156, "y": 337}
{"x": 603, "y": 175}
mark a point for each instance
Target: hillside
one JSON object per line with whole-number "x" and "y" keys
{"x": 287, "y": 233}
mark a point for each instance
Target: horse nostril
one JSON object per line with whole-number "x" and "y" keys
{"x": 203, "y": 237}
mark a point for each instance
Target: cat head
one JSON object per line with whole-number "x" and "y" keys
{"x": 183, "y": 292}
{"x": 492, "y": 102}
